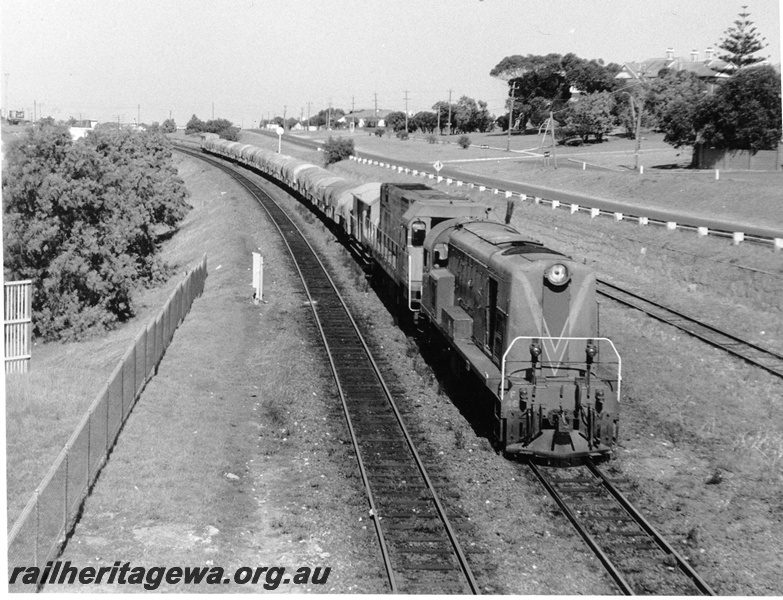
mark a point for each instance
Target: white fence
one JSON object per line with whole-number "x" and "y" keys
{"x": 18, "y": 325}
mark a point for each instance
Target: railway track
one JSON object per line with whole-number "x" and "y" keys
{"x": 747, "y": 351}
{"x": 418, "y": 545}
{"x": 636, "y": 556}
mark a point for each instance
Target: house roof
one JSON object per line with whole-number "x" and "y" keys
{"x": 648, "y": 69}
{"x": 367, "y": 114}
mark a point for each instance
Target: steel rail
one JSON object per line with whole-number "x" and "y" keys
{"x": 726, "y": 341}
{"x": 613, "y": 571}
{"x": 363, "y": 473}
{"x": 683, "y": 564}
{"x": 458, "y": 552}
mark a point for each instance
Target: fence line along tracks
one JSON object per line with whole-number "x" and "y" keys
{"x": 636, "y": 556}
{"x": 761, "y": 357}
{"x": 420, "y": 550}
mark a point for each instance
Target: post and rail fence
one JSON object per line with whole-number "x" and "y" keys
{"x": 38, "y": 533}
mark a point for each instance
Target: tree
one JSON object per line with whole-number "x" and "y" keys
{"x": 744, "y": 113}
{"x": 742, "y": 43}
{"x": 83, "y": 220}
{"x": 169, "y": 126}
{"x": 195, "y": 125}
{"x": 396, "y": 120}
{"x": 590, "y": 115}
{"x": 540, "y": 83}
{"x": 470, "y": 116}
{"x": 337, "y": 149}
{"x": 424, "y": 121}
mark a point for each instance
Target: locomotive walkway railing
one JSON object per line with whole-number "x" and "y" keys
{"x": 556, "y": 341}
{"x": 39, "y": 531}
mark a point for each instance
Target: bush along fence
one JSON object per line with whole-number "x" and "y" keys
{"x": 614, "y": 210}
{"x": 40, "y": 530}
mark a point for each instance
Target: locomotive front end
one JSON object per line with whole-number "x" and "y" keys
{"x": 559, "y": 383}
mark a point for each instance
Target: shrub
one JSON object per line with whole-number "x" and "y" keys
{"x": 463, "y": 142}
{"x": 338, "y": 149}
{"x": 379, "y": 131}
{"x": 403, "y": 135}
{"x": 83, "y": 221}
{"x": 432, "y": 139}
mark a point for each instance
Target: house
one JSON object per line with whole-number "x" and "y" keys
{"x": 80, "y": 128}
{"x": 366, "y": 118}
{"x": 710, "y": 70}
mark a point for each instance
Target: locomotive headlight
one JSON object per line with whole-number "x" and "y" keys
{"x": 557, "y": 274}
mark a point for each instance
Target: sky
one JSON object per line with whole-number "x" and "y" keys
{"x": 246, "y": 60}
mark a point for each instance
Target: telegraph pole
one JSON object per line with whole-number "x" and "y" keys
{"x": 406, "y": 111}
{"x": 285, "y": 111}
{"x": 511, "y": 116}
{"x": 449, "y": 112}
{"x": 353, "y": 109}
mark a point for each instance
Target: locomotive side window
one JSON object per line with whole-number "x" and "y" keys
{"x": 418, "y": 233}
{"x": 441, "y": 255}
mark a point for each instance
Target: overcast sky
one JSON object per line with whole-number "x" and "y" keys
{"x": 110, "y": 59}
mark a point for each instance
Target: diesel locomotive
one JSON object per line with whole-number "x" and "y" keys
{"x": 521, "y": 317}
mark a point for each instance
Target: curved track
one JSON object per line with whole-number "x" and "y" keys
{"x": 747, "y": 351}
{"x": 636, "y": 556}
{"x": 420, "y": 551}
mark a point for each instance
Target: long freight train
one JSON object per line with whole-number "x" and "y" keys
{"x": 521, "y": 317}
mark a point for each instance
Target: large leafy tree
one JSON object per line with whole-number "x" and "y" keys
{"x": 82, "y": 221}
{"x": 742, "y": 42}
{"x": 425, "y": 121}
{"x": 590, "y": 115}
{"x": 470, "y": 116}
{"x": 743, "y": 114}
{"x": 538, "y": 82}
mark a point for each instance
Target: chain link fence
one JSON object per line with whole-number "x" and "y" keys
{"x": 39, "y": 531}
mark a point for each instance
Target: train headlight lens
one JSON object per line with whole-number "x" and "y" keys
{"x": 557, "y": 274}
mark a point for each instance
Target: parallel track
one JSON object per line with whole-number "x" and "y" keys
{"x": 752, "y": 353}
{"x": 636, "y": 556}
{"x": 420, "y": 550}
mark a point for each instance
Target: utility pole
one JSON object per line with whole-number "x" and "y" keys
{"x": 353, "y": 109}
{"x": 439, "y": 107}
{"x": 406, "y": 111}
{"x": 449, "y": 112}
{"x": 308, "y": 116}
{"x": 285, "y": 111}
{"x": 554, "y": 143}
{"x": 511, "y": 116}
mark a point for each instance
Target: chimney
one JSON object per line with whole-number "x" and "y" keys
{"x": 694, "y": 55}
{"x": 669, "y": 53}
{"x": 709, "y": 53}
